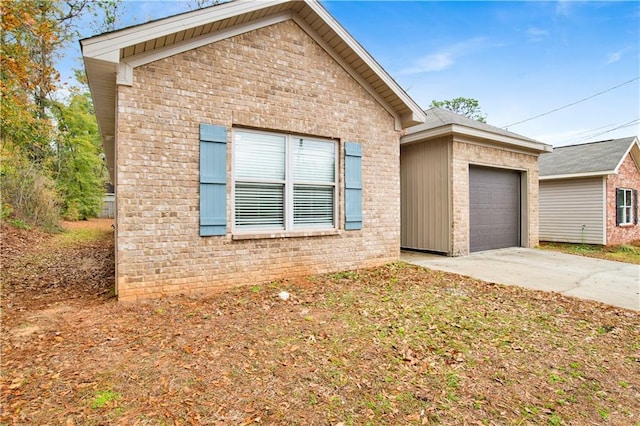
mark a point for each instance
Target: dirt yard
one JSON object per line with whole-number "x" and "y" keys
{"x": 392, "y": 345}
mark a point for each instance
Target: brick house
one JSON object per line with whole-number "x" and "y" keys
{"x": 467, "y": 186}
{"x": 589, "y": 193}
{"x": 248, "y": 142}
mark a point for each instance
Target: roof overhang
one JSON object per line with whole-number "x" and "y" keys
{"x": 111, "y": 58}
{"x": 419, "y": 135}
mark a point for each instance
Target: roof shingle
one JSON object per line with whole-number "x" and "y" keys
{"x": 438, "y": 117}
{"x": 593, "y": 157}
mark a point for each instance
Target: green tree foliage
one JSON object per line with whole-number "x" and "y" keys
{"x": 468, "y": 107}
{"x": 37, "y": 134}
{"x": 26, "y": 75}
{"x": 106, "y": 14}
{"x": 28, "y": 191}
{"x": 200, "y": 4}
{"x": 79, "y": 170}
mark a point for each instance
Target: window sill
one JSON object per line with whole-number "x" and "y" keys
{"x": 625, "y": 225}
{"x": 285, "y": 234}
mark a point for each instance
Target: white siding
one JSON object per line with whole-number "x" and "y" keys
{"x": 424, "y": 187}
{"x": 571, "y": 210}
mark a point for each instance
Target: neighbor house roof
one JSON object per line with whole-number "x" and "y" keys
{"x": 588, "y": 159}
{"x": 110, "y": 58}
{"x": 441, "y": 122}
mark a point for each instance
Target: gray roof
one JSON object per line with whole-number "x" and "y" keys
{"x": 601, "y": 157}
{"x": 438, "y": 117}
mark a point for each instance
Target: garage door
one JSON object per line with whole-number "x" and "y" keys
{"x": 494, "y": 208}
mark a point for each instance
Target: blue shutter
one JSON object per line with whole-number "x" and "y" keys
{"x": 353, "y": 185}
{"x": 213, "y": 180}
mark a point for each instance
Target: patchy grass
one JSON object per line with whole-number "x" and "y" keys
{"x": 628, "y": 253}
{"x": 80, "y": 232}
{"x": 392, "y": 345}
{"x": 105, "y": 398}
{"x": 76, "y": 236}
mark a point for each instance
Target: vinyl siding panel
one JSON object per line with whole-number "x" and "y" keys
{"x": 572, "y": 211}
{"x": 425, "y": 195}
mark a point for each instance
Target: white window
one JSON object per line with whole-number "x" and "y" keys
{"x": 624, "y": 206}
{"x": 283, "y": 182}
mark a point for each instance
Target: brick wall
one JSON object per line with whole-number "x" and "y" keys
{"x": 467, "y": 152}
{"x": 275, "y": 78}
{"x": 628, "y": 177}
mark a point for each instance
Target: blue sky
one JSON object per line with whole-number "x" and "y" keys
{"x": 519, "y": 59}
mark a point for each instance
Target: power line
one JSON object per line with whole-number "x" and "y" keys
{"x": 622, "y": 126}
{"x": 572, "y": 103}
{"x": 595, "y": 129}
{"x": 601, "y": 129}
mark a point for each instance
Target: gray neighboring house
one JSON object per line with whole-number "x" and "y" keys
{"x": 467, "y": 186}
{"x": 589, "y": 193}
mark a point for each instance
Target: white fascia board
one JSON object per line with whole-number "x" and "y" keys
{"x": 578, "y": 175}
{"x": 107, "y": 46}
{"x": 112, "y": 56}
{"x": 418, "y": 114}
{"x": 475, "y": 133}
{"x": 520, "y": 143}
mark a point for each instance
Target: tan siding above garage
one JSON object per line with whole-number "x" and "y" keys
{"x": 425, "y": 195}
{"x": 571, "y": 210}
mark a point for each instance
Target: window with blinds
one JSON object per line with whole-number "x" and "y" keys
{"x": 624, "y": 206}
{"x": 283, "y": 182}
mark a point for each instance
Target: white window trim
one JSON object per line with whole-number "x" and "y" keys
{"x": 289, "y": 230}
{"x": 626, "y": 220}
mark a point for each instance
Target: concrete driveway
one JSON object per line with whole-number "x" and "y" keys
{"x": 614, "y": 283}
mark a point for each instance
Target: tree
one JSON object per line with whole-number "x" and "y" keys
{"x": 78, "y": 170}
{"x": 24, "y": 77}
{"x": 201, "y": 4}
{"x": 36, "y": 153}
{"x": 34, "y": 32}
{"x": 107, "y": 14}
{"x": 468, "y": 107}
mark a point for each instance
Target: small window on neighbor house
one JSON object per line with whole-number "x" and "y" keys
{"x": 624, "y": 206}
{"x": 283, "y": 182}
